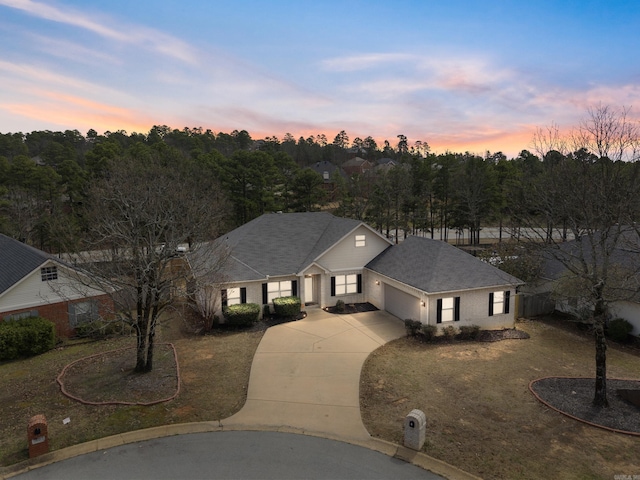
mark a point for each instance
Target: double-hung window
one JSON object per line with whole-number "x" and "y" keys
{"x": 448, "y": 309}
{"x": 499, "y": 302}
{"x": 346, "y": 284}
{"x": 234, "y": 296}
{"x": 278, "y": 289}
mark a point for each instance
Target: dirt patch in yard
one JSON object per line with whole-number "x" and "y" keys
{"x": 109, "y": 378}
{"x": 480, "y": 413}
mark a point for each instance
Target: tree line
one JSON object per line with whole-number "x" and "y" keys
{"x": 44, "y": 177}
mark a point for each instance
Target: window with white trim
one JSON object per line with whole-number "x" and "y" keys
{"x": 279, "y": 289}
{"x": 499, "y": 302}
{"x": 233, "y": 296}
{"x": 447, "y": 309}
{"x": 361, "y": 241}
{"x": 346, "y": 284}
{"x": 49, "y": 273}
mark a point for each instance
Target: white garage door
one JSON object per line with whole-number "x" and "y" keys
{"x": 401, "y": 304}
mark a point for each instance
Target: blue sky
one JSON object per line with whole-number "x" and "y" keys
{"x": 460, "y": 75}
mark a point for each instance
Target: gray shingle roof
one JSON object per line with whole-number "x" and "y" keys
{"x": 282, "y": 243}
{"x": 17, "y": 260}
{"x": 326, "y": 166}
{"x": 623, "y": 253}
{"x": 434, "y": 266}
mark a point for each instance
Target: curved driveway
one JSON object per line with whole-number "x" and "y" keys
{"x": 305, "y": 375}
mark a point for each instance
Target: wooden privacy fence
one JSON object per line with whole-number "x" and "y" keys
{"x": 531, "y": 305}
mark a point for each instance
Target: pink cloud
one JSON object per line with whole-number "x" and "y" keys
{"x": 141, "y": 36}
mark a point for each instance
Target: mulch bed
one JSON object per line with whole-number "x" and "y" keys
{"x": 108, "y": 378}
{"x": 497, "y": 335}
{"x": 573, "y": 397}
{"x": 350, "y": 308}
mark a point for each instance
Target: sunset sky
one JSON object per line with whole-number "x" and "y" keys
{"x": 460, "y": 75}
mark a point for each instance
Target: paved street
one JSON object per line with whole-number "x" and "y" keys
{"x": 231, "y": 455}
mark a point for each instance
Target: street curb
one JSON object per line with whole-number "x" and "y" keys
{"x": 387, "y": 448}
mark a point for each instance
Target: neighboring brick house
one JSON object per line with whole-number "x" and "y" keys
{"x": 357, "y": 165}
{"x": 322, "y": 259}
{"x": 34, "y": 283}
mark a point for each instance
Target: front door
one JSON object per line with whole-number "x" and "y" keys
{"x": 309, "y": 290}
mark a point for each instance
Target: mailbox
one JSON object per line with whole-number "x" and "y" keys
{"x": 415, "y": 429}
{"x": 38, "y": 436}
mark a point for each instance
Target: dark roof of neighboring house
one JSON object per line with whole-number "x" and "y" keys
{"x": 434, "y": 266}
{"x": 17, "y": 260}
{"x": 326, "y": 166}
{"x": 386, "y": 161}
{"x": 277, "y": 244}
{"x": 624, "y": 252}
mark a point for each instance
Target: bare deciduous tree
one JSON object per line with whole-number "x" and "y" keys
{"x": 151, "y": 227}
{"x": 592, "y": 191}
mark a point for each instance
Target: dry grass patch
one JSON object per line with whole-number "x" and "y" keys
{"x": 481, "y": 416}
{"x": 215, "y": 375}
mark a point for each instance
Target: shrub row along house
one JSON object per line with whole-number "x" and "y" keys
{"x": 323, "y": 259}
{"x": 34, "y": 283}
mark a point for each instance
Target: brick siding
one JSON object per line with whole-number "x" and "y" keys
{"x": 58, "y": 313}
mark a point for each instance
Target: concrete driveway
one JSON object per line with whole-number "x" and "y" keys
{"x": 305, "y": 375}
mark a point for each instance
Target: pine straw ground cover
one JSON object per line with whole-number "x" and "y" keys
{"x": 214, "y": 370}
{"x": 480, "y": 413}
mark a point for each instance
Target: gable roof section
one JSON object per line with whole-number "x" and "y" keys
{"x": 277, "y": 244}
{"x": 356, "y": 162}
{"x": 17, "y": 260}
{"x": 434, "y": 266}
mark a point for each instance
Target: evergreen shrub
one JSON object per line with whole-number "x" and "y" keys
{"x": 241, "y": 315}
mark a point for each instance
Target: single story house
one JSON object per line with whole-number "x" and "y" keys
{"x": 624, "y": 276}
{"x": 34, "y": 283}
{"x": 323, "y": 258}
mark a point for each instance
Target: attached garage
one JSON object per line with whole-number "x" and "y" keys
{"x": 401, "y": 304}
